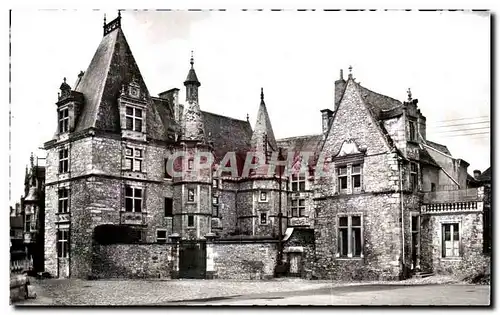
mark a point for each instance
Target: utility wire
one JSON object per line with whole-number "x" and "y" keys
{"x": 464, "y": 124}
{"x": 466, "y": 118}
{"x": 458, "y": 130}
{"x": 467, "y": 134}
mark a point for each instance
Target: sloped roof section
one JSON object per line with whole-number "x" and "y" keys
{"x": 112, "y": 66}
{"x": 227, "y": 134}
{"x": 486, "y": 175}
{"x": 166, "y": 115}
{"x": 263, "y": 127}
{"x": 426, "y": 158}
{"x": 439, "y": 147}
{"x": 311, "y": 144}
{"x": 381, "y": 106}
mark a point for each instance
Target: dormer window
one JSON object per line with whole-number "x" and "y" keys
{"x": 413, "y": 131}
{"x": 133, "y": 118}
{"x": 63, "y": 120}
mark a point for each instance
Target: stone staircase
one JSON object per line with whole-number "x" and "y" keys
{"x": 422, "y": 274}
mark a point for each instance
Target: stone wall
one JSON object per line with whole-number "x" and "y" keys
{"x": 381, "y": 234}
{"x": 133, "y": 261}
{"x": 244, "y": 260}
{"x": 472, "y": 260}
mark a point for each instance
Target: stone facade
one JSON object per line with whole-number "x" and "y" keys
{"x": 352, "y": 206}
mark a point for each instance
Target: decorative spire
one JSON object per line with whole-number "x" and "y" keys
{"x": 350, "y": 72}
{"x": 111, "y": 26}
{"x": 65, "y": 89}
{"x": 342, "y": 74}
{"x": 409, "y": 95}
{"x": 104, "y": 19}
{"x": 192, "y": 79}
{"x": 248, "y": 118}
{"x": 192, "y": 60}
{"x": 262, "y": 94}
{"x": 119, "y": 14}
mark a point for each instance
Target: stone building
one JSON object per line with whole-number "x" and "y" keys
{"x": 353, "y": 207}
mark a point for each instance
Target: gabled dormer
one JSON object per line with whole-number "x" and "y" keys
{"x": 349, "y": 162}
{"x": 132, "y": 104}
{"x": 69, "y": 104}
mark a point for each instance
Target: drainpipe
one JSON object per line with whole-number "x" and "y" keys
{"x": 402, "y": 212}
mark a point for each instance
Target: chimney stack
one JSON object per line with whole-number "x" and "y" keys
{"x": 477, "y": 173}
{"x": 326, "y": 118}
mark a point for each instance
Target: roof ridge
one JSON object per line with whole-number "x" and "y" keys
{"x": 297, "y": 137}
{"x": 232, "y": 118}
{"x": 392, "y": 98}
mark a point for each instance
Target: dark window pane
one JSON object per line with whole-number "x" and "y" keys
{"x": 356, "y": 235}
{"x": 343, "y": 246}
{"x": 128, "y": 204}
{"x": 343, "y": 182}
{"x": 138, "y": 125}
{"x": 161, "y": 234}
{"x": 342, "y": 170}
{"x": 215, "y": 211}
{"x": 138, "y": 205}
{"x": 302, "y": 212}
{"x": 302, "y": 202}
{"x": 190, "y": 220}
{"x": 414, "y": 223}
{"x": 130, "y": 111}
{"x": 294, "y": 212}
{"x": 137, "y": 192}
{"x": 129, "y": 122}
{"x": 356, "y": 181}
{"x": 356, "y": 221}
{"x": 138, "y": 112}
{"x": 168, "y": 207}
{"x": 343, "y": 221}
{"x": 302, "y": 186}
{"x": 294, "y": 186}
{"x": 128, "y": 191}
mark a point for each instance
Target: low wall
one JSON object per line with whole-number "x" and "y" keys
{"x": 133, "y": 261}
{"x": 242, "y": 260}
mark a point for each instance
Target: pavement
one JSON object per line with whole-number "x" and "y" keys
{"x": 429, "y": 291}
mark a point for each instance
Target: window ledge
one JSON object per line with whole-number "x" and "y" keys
{"x": 451, "y": 258}
{"x": 349, "y": 258}
{"x": 191, "y": 202}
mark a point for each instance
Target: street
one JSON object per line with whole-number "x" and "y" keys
{"x": 437, "y": 291}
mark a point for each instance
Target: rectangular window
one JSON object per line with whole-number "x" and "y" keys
{"x": 27, "y": 223}
{"x": 161, "y": 236}
{"x": 433, "y": 187}
{"x": 215, "y": 183}
{"x": 133, "y": 159}
{"x": 191, "y": 195}
{"x": 63, "y": 120}
{"x": 413, "y": 176}
{"x": 298, "y": 182}
{"x": 263, "y": 218}
{"x": 63, "y": 160}
{"x": 133, "y": 117}
{"x": 356, "y": 171}
{"x": 298, "y": 208}
{"x": 263, "y": 196}
{"x": 62, "y": 243}
{"x": 215, "y": 206}
{"x": 342, "y": 177}
{"x": 169, "y": 207}
{"x": 63, "y": 200}
{"x": 190, "y": 220}
{"x": 190, "y": 164}
{"x": 133, "y": 199}
{"x": 413, "y": 130}
{"x": 350, "y": 239}
{"x": 451, "y": 240}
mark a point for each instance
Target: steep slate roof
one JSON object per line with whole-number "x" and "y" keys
{"x": 112, "y": 66}
{"x": 227, "y": 134}
{"x": 486, "y": 175}
{"x": 311, "y": 143}
{"x": 439, "y": 147}
{"x": 263, "y": 127}
{"x": 380, "y": 105}
{"x": 425, "y": 157}
{"x": 166, "y": 112}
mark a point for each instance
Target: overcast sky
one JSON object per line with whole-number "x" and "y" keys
{"x": 444, "y": 57}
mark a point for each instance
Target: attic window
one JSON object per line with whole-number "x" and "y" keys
{"x": 413, "y": 131}
{"x": 133, "y": 118}
{"x": 63, "y": 120}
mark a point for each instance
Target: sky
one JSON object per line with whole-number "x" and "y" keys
{"x": 444, "y": 57}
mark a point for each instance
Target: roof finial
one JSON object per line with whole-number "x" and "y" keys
{"x": 64, "y": 79}
{"x": 104, "y": 19}
{"x": 341, "y": 74}
{"x": 261, "y": 94}
{"x": 248, "y": 118}
{"x": 350, "y": 72}
{"x": 192, "y": 60}
{"x": 32, "y": 159}
{"x": 119, "y": 13}
{"x": 409, "y": 95}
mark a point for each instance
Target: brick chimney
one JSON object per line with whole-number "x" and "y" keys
{"x": 339, "y": 88}
{"x": 172, "y": 96}
{"x": 326, "y": 119}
